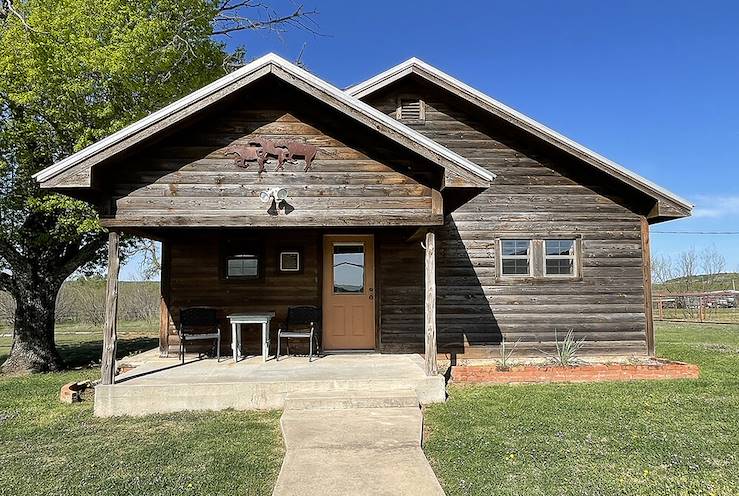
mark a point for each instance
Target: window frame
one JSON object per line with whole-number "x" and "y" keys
{"x": 537, "y": 258}
{"x": 243, "y": 255}
{"x": 399, "y": 108}
{"x": 574, "y": 257}
{"x": 231, "y": 248}
{"x": 528, "y": 257}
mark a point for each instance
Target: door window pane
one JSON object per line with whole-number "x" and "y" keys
{"x": 348, "y": 268}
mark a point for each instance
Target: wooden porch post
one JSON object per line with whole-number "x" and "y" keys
{"x": 110, "y": 332}
{"x": 430, "y": 304}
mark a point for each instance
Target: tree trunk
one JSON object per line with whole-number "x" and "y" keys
{"x": 33, "y": 347}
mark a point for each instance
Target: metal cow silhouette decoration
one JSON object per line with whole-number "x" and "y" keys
{"x": 260, "y": 150}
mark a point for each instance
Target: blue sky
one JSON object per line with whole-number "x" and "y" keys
{"x": 651, "y": 85}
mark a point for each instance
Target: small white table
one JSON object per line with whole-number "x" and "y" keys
{"x": 238, "y": 319}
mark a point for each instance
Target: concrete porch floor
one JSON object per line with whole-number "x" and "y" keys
{"x": 162, "y": 385}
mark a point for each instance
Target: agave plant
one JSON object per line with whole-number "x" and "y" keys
{"x": 567, "y": 349}
{"x": 505, "y": 353}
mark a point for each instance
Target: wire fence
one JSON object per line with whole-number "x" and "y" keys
{"x": 83, "y": 302}
{"x": 717, "y": 307}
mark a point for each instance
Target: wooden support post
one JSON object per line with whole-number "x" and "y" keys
{"x": 647, "y": 273}
{"x": 430, "y": 305}
{"x": 110, "y": 332}
{"x": 164, "y": 301}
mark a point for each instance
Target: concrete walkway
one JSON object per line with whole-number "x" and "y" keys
{"x": 366, "y": 443}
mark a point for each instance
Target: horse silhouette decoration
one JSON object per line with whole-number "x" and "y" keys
{"x": 245, "y": 154}
{"x": 271, "y": 150}
{"x": 303, "y": 150}
{"x": 260, "y": 150}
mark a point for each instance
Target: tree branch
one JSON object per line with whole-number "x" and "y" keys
{"x": 6, "y": 282}
{"x": 83, "y": 255}
{"x": 231, "y": 21}
{"x": 10, "y": 253}
{"x": 7, "y": 9}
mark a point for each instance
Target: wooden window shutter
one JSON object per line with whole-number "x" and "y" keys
{"x": 410, "y": 109}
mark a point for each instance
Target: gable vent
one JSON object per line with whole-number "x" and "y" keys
{"x": 410, "y": 109}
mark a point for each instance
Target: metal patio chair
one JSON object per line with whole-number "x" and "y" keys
{"x": 198, "y": 324}
{"x": 302, "y": 322}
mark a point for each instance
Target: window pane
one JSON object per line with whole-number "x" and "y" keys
{"x": 349, "y": 268}
{"x": 510, "y": 247}
{"x": 560, "y": 246}
{"x": 234, "y": 267}
{"x": 515, "y": 266}
{"x": 560, "y": 266}
{"x": 243, "y": 266}
{"x": 250, "y": 267}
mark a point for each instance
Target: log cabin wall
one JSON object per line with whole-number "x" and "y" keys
{"x": 538, "y": 193}
{"x": 196, "y": 277}
{"x": 186, "y": 180}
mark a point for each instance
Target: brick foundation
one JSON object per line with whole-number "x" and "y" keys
{"x": 582, "y": 373}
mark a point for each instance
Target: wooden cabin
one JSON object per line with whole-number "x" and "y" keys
{"x": 417, "y": 212}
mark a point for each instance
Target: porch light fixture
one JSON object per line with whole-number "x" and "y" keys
{"x": 277, "y": 194}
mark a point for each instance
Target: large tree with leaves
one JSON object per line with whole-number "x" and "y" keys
{"x": 72, "y": 72}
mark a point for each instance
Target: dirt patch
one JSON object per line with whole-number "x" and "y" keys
{"x": 527, "y": 374}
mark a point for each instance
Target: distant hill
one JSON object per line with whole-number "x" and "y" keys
{"x": 718, "y": 282}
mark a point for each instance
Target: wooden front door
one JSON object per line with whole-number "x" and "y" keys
{"x": 348, "y": 292}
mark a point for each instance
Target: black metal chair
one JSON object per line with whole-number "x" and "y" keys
{"x": 195, "y": 322}
{"x": 302, "y": 322}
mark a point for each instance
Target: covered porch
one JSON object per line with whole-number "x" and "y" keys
{"x": 163, "y": 385}
{"x": 194, "y": 266}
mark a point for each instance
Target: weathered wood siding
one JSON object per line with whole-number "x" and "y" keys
{"x": 195, "y": 269}
{"x": 537, "y": 193}
{"x": 357, "y": 178}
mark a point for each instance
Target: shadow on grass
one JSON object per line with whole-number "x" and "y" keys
{"x": 88, "y": 353}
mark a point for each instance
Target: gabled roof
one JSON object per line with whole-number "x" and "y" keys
{"x": 461, "y": 172}
{"x": 671, "y": 204}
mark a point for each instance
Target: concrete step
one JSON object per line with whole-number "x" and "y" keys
{"x": 379, "y": 428}
{"x": 361, "y": 471}
{"x": 345, "y": 399}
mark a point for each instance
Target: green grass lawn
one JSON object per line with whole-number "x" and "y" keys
{"x": 47, "y": 448}
{"x": 651, "y": 438}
